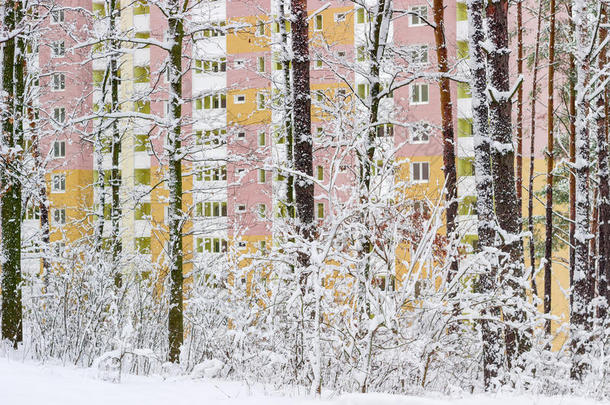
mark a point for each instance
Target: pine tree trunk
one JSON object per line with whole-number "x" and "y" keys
{"x": 550, "y": 165}
{"x": 519, "y": 160}
{"x": 582, "y": 288}
{"x": 508, "y": 212}
{"x": 303, "y": 145}
{"x": 447, "y": 130}
{"x": 530, "y": 196}
{"x": 13, "y": 86}
{"x": 176, "y": 316}
{"x": 603, "y": 174}
{"x": 493, "y": 359}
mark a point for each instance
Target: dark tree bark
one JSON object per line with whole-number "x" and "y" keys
{"x": 603, "y": 174}
{"x": 519, "y": 160}
{"x": 583, "y": 277}
{"x": 508, "y": 212}
{"x": 176, "y": 316}
{"x": 447, "y": 130}
{"x": 493, "y": 351}
{"x": 303, "y": 145}
{"x": 13, "y": 86}
{"x": 550, "y": 165}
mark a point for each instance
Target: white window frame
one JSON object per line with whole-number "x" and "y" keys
{"x": 57, "y": 16}
{"x": 241, "y": 135}
{"x": 58, "y": 183}
{"x": 59, "y": 114}
{"x": 340, "y": 17}
{"x": 239, "y": 99}
{"x": 240, "y": 208}
{"x": 417, "y": 52}
{"x": 412, "y": 90}
{"x": 419, "y": 141}
{"x": 318, "y": 64}
{"x": 318, "y": 27}
{"x": 420, "y": 165}
{"x": 239, "y": 64}
{"x": 58, "y": 81}
{"x": 418, "y": 9}
{"x": 261, "y": 176}
{"x": 59, "y": 149}
{"x": 59, "y": 216}
{"x": 56, "y": 48}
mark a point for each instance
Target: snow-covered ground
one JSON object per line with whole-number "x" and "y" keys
{"x": 24, "y": 383}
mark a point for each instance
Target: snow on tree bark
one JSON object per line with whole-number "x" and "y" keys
{"x": 583, "y": 278}
{"x": 13, "y": 86}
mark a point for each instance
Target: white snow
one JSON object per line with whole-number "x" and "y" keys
{"x": 24, "y": 383}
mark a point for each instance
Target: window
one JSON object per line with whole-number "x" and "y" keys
{"x": 58, "y": 183}
{"x": 262, "y": 246}
{"x": 419, "y": 54}
{"x": 57, "y": 16}
{"x": 241, "y": 208}
{"x": 262, "y": 210}
{"x": 59, "y": 149}
{"x": 320, "y": 173}
{"x": 261, "y": 100}
{"x": 211, "y": 209}
{"x": 360, "y": 16}
{"x": 419, "y": 135}
{"x": 213, "y": 102}
{"x": 260, "y": 64}
{"x": 240, "y": 172}
{"x": 32, "y": 212}
{"x": 262, "y": 138}
{"x": 241, "y": 244}
{"x": 318, "y": 23}
{"x": 241, "y": 135}
{"x": 59, "y": 216}
{"x": 320, "y": 210}
{"x": 361, "y": 55}
{"x": 59, "y": 114}
{"x": 319, "y": 132}
{"x": 58, "y": 81}
{"x": 262, "y": 176}
{"x": 385, "y": 130}
{"x": 217, "y": 30}
{"x": 213, "y": 173}
{"x": 238, "y": 63}
{"x": 419, "y": 93}
{"x": 211, "y": 137}
{"x": 260, "y": 28}
{"x": 341, "y": 54}
{"x": 340, "y": 17}
{"x": 418, "y": 15}
{"x": 239, "y": 99}
{"x": 420, "y": 172}
{"x": 317, "y": 64}
{"x": 213, "y": 245}
{"x": 211, "y": 66}
{"x": 58, "y": 49}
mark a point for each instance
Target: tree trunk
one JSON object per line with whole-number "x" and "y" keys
{"x": 115, "y": 148}
{"x": 303, "y": 145}
{"x": 550, "y": 165}
{"x": 13, "y": 86}
{"x": 583, "y": 278}
{"x": 447, "y": 130}
{"x": 493, "y": 359}
{"x": 176, "y": 317}
{"x": 519, "y": 160}
{"x": 508, "y": 212}
{"x": 603, "y": 174}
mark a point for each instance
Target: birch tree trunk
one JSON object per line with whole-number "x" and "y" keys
{"x": 13, "y": 86}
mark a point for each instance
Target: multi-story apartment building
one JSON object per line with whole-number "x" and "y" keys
{"x": 234, "y": 91}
